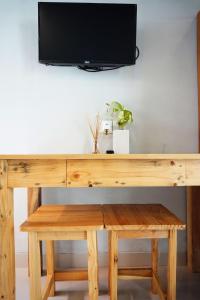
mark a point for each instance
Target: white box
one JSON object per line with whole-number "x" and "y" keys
{"x": 121, "y": 141}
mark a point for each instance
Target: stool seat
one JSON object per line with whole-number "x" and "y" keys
{"x": 65, "y": 217}
{"x": 145, "y": 221}
{"x": 69, "y": 207}
{"x": 140, "y": 217}
{"x": 62, "y": 222}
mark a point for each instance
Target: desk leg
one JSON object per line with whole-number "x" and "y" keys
{"x": 34, "y": 199}
{"x": 7, "y": 248}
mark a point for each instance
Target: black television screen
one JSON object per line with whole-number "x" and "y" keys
{"x": 92, "y": 34}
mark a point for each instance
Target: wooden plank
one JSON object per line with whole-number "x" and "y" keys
{"x": 93, "y": 285}
{"x": 109, "y": 259}
{"x": 35, "y": 282}
{"x": 193, "y": 201}
{"x": 68, "y": 207}
{"x": 143, "y": 234}
{"x": 50, "y": 266}
{"x": 68, "y": 220}
{"x": 113, "y": 265}
{"x": 62, "y": 236}
{"x": 195, "y": 224}
{"x": 61, "y": 227}
{"x": 151, "y": 156}
{"x": 72, "y": 275}
{"x": 158, "y": 287}
{"x": 7, "y": 248}
{"x": 37, "y": 173}
{"x": 154, "y": 262}
{"x": 190, "y": 191}
{"x": 134, "y": 273}
{"x": 194, "y": 229}
{"x": 122, "y": 173}
{"x": 192, "y": 169}
{"x": 140, "y": 217}
{"x": 34, "y": 201}
{"x": 172, "y": 262}
{"x": 198, "y": 69}
{"x": 47, "y": 289}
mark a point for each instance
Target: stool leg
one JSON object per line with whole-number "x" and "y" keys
{"x": 113, "y": 264}
{"x": 92, "y": 265}
{"x": 171, "y": 292}
{"x": 50, "y": 264}
{"x": 154, "y": 261}
{"x": 34, "y": 201}
{"x": 109, "y": 247}
{"x": 34, "y": 265}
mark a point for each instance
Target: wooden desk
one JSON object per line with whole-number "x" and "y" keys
{"x": 36, "y": 171}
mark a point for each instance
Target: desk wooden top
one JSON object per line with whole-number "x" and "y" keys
{"x": 100, "y": 156}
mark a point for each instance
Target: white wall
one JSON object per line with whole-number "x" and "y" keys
{"x": 44, "y": 109}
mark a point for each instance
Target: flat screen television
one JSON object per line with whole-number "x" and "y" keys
{"x": 87, "y": 34}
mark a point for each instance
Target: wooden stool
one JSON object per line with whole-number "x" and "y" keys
{"x": 60, "y": 222}
{"x": 142, "y": 222}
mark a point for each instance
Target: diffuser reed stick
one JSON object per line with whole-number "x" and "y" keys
{"x": 95, "y": 131}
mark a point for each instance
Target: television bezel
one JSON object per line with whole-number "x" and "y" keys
{"x": 81, "y": 64}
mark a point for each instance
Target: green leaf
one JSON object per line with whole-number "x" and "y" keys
{"x": 122, "y": 115}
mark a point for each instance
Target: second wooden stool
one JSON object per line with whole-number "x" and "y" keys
{"x": 60, "y": 222}
{"x": 141, "y": 221}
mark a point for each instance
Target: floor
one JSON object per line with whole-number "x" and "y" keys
{"x": 188, "y": 287}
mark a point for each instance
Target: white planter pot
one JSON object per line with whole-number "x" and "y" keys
{"x": 121, "y": 141}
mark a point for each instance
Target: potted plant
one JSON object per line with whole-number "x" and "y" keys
{"x": 121, "y": 118}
